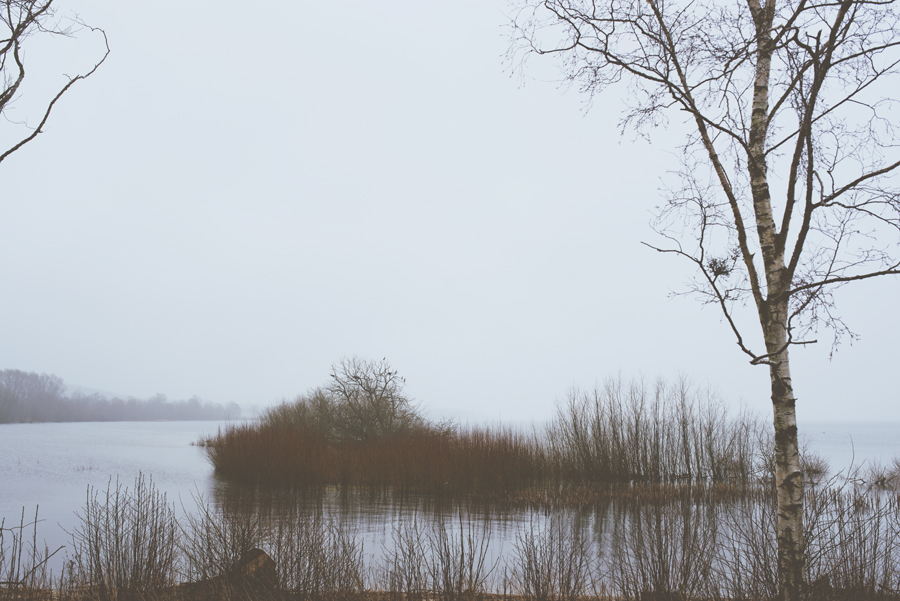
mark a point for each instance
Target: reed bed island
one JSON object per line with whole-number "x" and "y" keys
{"x": 361, "y": 430}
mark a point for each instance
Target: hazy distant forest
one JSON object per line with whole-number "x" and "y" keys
{"x": 32, "y": 397}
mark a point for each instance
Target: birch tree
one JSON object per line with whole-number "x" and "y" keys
{"x": 788, "y": 189}
{"x": 22, "y": 19}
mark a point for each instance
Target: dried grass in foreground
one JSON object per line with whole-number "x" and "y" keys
{"x": 652, "y": 544}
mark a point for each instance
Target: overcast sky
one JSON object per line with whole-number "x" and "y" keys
{"x": 238, "y": 198}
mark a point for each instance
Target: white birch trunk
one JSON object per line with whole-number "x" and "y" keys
{"x": 773, "y": 315}
{"x": 788, "y": 478}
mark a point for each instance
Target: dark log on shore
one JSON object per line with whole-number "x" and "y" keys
{"x": 254, "y": 576}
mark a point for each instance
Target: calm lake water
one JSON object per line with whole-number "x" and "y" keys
{"x": 52, "y": 466}
{"x": 49, "y": 467}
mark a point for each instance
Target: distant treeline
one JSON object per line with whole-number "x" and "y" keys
{"x": 32, "y": 397}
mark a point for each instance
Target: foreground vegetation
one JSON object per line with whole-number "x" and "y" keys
{"x": 669, "y": 542}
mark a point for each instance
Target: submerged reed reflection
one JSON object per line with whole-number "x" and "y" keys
{"x": 635, "y": 543}
{"x": 686, "y": 541}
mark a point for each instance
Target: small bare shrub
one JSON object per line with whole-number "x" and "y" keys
{"x": 126, "y": 545}
{"x": 852, "y": 551}
{"x": 552, "y": 563}
{"x": 631, "y": 432}
{"x": 747, "y": 564}
{"x": 316, "y": 558}
{"x": 882, "y": 477}
{"x": 458, "y": 568}
{"x": 814, "y": 467}
{"x": 664, "y": 549}
{"x": 405, "y": 571}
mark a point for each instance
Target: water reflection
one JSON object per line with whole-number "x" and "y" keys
{"x": 376, "y": 516}
{"x": 698, "y": 541}
{"x": 604, "y": 540}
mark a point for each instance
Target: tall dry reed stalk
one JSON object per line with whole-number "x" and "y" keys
{"x": 23, "y": 565}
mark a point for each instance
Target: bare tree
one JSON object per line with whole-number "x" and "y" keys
{"x": 369, "y": 399}
{"x": 788, "y": 187}
{"x": 22, "y": 19}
